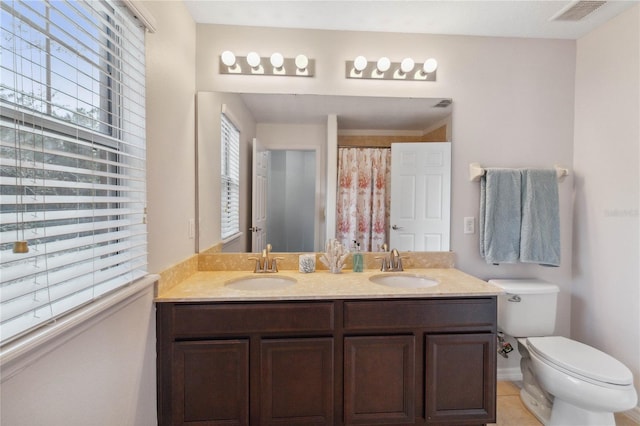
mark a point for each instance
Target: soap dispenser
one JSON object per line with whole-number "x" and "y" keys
{"x": 358, "y": 259}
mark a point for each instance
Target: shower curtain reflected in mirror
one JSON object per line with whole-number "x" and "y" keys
{"x": 363, "y": 203}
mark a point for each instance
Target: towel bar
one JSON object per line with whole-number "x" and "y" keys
{"x": 476, "y": 171}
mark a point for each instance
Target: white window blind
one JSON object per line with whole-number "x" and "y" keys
{"x": 230, "y": 179}
{"x": 72, "y": 161}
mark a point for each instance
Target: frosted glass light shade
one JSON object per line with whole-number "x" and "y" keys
{"x": 407, "y": 65}
{"x": 383, "y": 64}
{"x": 430, "y": 65}
{"x": 228, "y": 58}
{"x": 277, "y": 60}
{"x": 360, "y": 63}
{"x": 302, "y": 62}
{"x": 253, "y": 59}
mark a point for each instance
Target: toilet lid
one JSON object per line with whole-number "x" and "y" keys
{"x": 580, "y": 359}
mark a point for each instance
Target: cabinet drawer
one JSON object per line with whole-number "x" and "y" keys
{"x": 207, "y": 319}
{"x": 478, "y": 314}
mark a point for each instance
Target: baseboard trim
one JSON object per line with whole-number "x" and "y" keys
{"x": 509, "y": 374}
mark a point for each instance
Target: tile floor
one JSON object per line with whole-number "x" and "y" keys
{"x": 511, "y": 411}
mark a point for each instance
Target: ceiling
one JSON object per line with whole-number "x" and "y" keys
{"x": 475, "y": 18}
{"x": 354, "y": 112}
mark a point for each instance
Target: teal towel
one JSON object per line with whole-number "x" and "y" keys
{"x": 540, "y": 229}
{"x": 499, "y": 221}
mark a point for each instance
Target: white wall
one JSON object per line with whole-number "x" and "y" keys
{"x": 606, "y": 279}
{"x": 106, "y": 375}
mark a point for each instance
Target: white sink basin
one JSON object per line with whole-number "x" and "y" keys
{"x": 260, "y": 282}
{"x": 403, "y": 280}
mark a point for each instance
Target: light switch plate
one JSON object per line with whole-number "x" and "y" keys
{"x": 469, "y": 225}
{"x": 192, "y": 229}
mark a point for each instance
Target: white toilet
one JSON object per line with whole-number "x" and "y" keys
{"x": 564, "y": 382}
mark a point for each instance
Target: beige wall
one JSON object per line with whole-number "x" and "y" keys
{"x": 303, "y": 137}
{"x": 103, "y": 376}
{"x": 106, "y": 375}
{"x": 209, "y": 107}
{"x": 170, "y": 134}
{"x": 513, "y": 102}
{"x": 606, "y": 279}
{"x": 523, "y": 88}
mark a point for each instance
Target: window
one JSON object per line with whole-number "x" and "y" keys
{"x": 230, "y": 179}
{"x": 72, "y": 161}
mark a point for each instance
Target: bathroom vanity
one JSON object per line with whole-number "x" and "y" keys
{"x": 330, "y": 350}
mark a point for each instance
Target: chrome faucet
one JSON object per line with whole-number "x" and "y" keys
{"x": 391, "y": 261}
{"x": 265, "y": 264}
{"x": 384, "y": 266}
{"x": 395, "y": 261}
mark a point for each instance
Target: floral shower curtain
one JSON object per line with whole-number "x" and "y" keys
{"x": 363, "y": 196}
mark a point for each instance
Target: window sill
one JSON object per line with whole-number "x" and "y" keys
{"x": 232, "y": 238}
{"x": 23, "y": 352}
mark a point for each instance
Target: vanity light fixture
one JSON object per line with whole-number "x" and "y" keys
{"x": 407, "y": 65}
{"x": 252, "y": 64}
{"x": 228, "y": 58}
{"x": 384, "y": 69}
{"x": 360, "y": 63}
{"x": 302, "y": 64}
{"x": 277, "y": 60}
{"x": 430, "y": 66}
{"x": 253, "y": 59}
{"x": 383, "y": 64}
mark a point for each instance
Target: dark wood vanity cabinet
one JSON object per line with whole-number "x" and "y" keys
{"x": 211, "y": 378}
{"x": 360, "y": 362}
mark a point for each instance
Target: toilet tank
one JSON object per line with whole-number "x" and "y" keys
{"x": 527, "y": 308}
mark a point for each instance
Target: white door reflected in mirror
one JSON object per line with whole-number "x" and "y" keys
{"x": 420, "y": 196}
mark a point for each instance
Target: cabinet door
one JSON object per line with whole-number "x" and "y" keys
{"x": 296, "y": 381}
{"x": 211, "y": 383}
{"x": 460, "y": 378}
{"x": 379, "y": 380}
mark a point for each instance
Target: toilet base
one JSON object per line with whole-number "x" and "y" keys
{"x": 539, "y": 407}
{"x": 536, "y": 400}
{"x": 565, "y": 414}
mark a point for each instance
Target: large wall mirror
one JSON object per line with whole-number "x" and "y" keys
{"x": 294, "y": 136}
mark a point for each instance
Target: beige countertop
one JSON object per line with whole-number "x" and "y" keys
{"x": 210, "y": 286}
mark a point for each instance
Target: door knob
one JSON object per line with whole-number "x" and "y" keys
{"x": 397, "y": 228}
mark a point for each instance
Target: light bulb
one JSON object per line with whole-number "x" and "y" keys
{"x": 302, "y": 62}
{"x": 407, "y": 65}
{"x": 228, "y": 58}
{"x": 430, "y": 65}
{"x": 383, "y": 64}
{"x": 360, "y": 63}
{"x": 277, "y": 60}
{"x": 253, "y": 59}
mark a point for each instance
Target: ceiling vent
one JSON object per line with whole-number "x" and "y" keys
{"x": 577, "y": 10}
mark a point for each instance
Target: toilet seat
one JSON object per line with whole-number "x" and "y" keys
{"x": 581, "y": 361}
